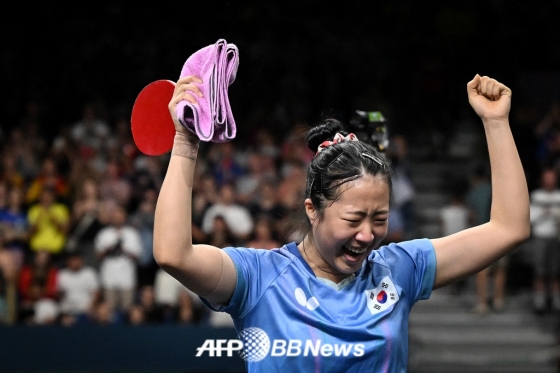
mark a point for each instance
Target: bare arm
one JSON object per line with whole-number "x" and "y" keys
{"x": 204, "y": 269}
{"x": 467, "y": 252}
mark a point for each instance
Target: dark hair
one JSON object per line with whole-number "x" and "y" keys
{"x": 336, "y": 165}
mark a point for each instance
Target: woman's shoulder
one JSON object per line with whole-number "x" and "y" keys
{"x": 395, "y": 249}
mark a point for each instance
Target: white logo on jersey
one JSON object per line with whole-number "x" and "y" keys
{"x": 382, "y": 297}
{"x": 311, "y": 303}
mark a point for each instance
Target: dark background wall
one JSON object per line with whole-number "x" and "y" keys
{"x": 298, "y": 59}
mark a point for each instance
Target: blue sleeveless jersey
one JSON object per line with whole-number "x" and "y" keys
{"x": 289, "y": 320}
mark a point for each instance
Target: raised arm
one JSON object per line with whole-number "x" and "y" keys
{"x": 467, "y": 252}
{"x": 204, "y": 269}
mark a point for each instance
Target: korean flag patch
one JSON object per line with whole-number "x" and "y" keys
{"x": 382, "y": 297}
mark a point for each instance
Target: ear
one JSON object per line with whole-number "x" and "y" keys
{"x": 310, "y": 210}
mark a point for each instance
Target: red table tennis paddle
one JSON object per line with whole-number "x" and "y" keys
{"x": 151, "y": 123}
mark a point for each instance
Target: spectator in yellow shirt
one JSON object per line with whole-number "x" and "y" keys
{"x": 49, "y": 223}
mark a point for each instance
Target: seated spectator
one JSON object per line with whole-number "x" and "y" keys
{"x": 13, "y": 221}
{"x": 85, "y": 221}
{"x": 49, "y": 177}
{"x": 263, "y": 236}
{"x": 114, "y": 185}
{"x": 91, "y": 132}
{"x": 49, "y": 222}
{"x": 179, "y": 303}
{"x": 258, "y": 170}
{"x": 186, "y": 314}
{"x": 136, "y": 315}
{"x": 224, "y": 163}
{"x": 205, "y": 194}
{"x": 221, "y": 235}
{"x": 104, "y": 315}
{"x": 146, "y": 176}
{"x": 153, "y": 312}
{"x": 292, "y": 187}
{"x": 237, "y": 217}
{"x": 46, "y": 311}
{"x": 9, "y": 270}
{"x": 37, "y": 280}
{"x": 78, "y": 288}
{"x": 9, "y": 174}
{"x": 3, "y": 195}
{"x": 118, "y": 247}
{"x": 143, "y": 220}
{"x": 267, "y": 203}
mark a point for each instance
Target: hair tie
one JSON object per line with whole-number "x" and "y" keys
{"x": 338, "y": 138}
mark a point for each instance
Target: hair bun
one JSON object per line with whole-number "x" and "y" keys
{"x": 323, "y": 132}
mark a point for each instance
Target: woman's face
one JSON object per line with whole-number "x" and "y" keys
{"x": 351, "y": 228}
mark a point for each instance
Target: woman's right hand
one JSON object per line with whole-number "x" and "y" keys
{"x": 185, "y": 89}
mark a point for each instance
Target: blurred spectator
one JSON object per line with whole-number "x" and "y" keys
{"x": 291, "y": 189}
{"x": 9, "y": 174}
{"x": 237, "y": 217}
{"x": 45, "y": 312}
{"x": 25, "y": 156}
{"x": 265, "y": 144}
{"x": 263, "y": 235}
{"x": 294, "y": 151}
{"x": 146, "y": 176}
{"x": 221, "y": 234}
{"x": 78, "y": 289}
{"x": 80, "y": 171}
{"x": 166, "y": 294}
{"x": 395, "y": 227}
{"x": 455, "y": 217}
{"x": 85, "y": 221}
{"x": 205, "y": 194}
{"x": 258, "y": 170}
{"x": 143, "y": 220}
{"x": 154, "y": 313}
{"x": 136, "y": 315}
{"x": 478, "y": 200}
{"x": 545, "y": 247}
{"x": 49, "y": 177}
{"x": 3, "y": 196}
{"x": 9, "y": 271}
{"x": 186, "y": 310}
{"x": 224, "y": 163}
{"x": 118, "y": 248}
{"x": 91, "y": 132}
{"x": 13, "y": 221}
{"x": 547, "y": 133}
{"x": 266, "y": 203}
{"x": 63, "y": 152}
{"x": 104, "y": 315}
{"x": 37, "y": 280}
{"x": 114, "y": 186}
{"x": 403, "y": 188}
{"x": 32, "y": 125}
{"x": 49, "y": 222}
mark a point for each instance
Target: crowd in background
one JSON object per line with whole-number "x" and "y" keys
{"x": 77, "y": 215}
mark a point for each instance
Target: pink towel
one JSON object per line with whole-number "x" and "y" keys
{"x": 211, "y": 119}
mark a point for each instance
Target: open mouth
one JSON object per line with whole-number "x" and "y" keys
{"x": 353, "y": 252}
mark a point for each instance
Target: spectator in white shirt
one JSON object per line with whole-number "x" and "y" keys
{"x": 118, "y": 247}
{"x": 78, "y": 286}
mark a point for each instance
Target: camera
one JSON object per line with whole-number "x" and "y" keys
{"x": 370, "y": 127}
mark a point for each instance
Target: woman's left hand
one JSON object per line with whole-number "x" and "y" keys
{"x": 490, "y": 99}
